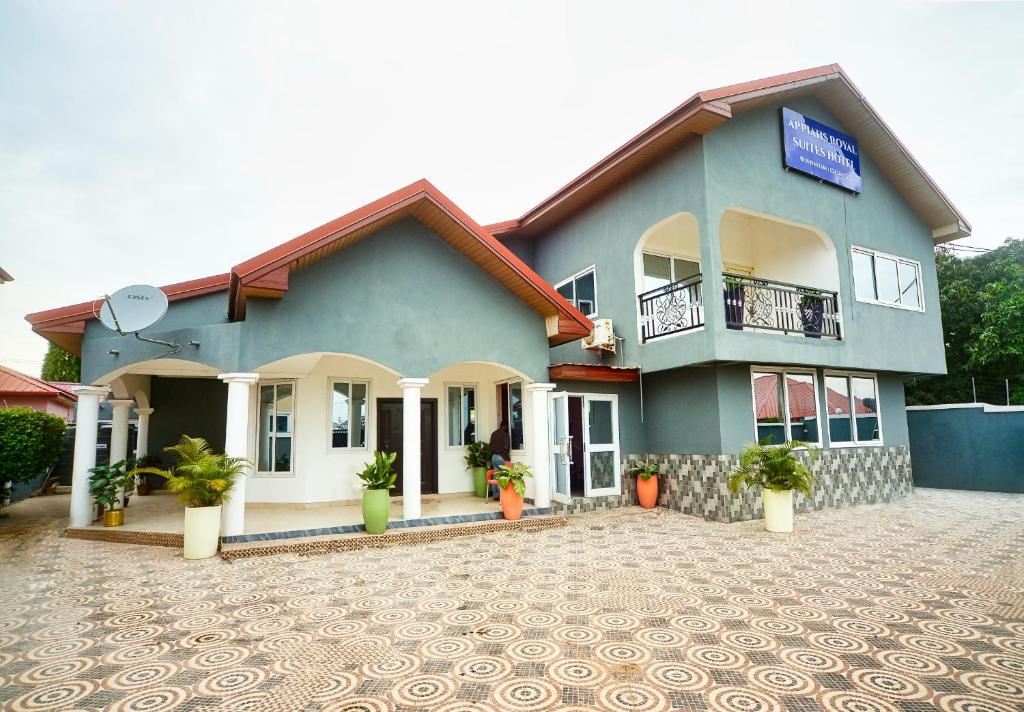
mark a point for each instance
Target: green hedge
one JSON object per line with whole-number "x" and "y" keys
{"x": 30, "y": 441}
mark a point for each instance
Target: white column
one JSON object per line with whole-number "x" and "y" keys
{"x": 236, "y": 444}
{"x": 541, "y": 443}
{"x": 411, "y": 448}
{"x": 86, "y": 421}
{"x": 119, "y": 434}
{"x": 142, "y": 432}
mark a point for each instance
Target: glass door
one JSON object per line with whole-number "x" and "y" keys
{"x": 601, "y": 438}
{"x": 561, "y": 446}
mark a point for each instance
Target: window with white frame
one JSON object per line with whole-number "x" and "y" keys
{"x": 661, "y": 270}
{"x": 785, "y": 405}
{"x": 276, "y": 425}
{"x": 348, "y": 414}
{"x": 581, "y": 290}
{"x": 886, "y": 279}
{"x": 851, "y": 400}
{"x": 461, "y": 415}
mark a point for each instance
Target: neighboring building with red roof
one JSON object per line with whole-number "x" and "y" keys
{"x": 21, "y": 390}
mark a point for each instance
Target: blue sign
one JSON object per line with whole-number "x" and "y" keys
{"x": 820, "y": 151}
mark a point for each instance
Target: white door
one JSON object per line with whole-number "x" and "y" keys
{"x": 561, "y": 450}
{"x": 601, "y": 441}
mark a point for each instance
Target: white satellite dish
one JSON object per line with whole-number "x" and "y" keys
{"x": 133, "y": 308}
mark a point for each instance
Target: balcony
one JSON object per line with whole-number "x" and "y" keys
{"x": 751, "y": 303}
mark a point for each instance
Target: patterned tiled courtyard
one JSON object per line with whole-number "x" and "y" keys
{"x": 912, "y": 606}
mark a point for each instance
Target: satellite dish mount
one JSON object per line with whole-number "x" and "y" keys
{"x": 132, "y": 309}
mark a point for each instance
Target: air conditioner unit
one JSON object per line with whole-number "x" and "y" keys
{"x": 602, "y": 338}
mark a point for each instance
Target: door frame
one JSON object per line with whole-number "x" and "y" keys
{"x": 433, "y": 473}
{"x": 563, "y": 449}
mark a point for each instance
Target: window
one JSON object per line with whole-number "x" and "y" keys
{"x": 581, "y": 291}
{"x": 461, "y": 415}
{"x": 276, "y": 424}
{"x": 785, "y": 406}
{"x": 348, "y": 414}
{"x": 660, "y": 270}
{"x": 510, "y": 409}
{"x": 885, "y": 279}
{"x": 853, "y": 395}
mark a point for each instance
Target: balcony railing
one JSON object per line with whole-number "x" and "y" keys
{"x": 765, "y": 305}
{"x": 670, "y": 309}
{"x": 750, "y": 303}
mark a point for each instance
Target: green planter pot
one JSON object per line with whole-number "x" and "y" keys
{"x": 376, "y": 505}
{"x": 480, "y": 481}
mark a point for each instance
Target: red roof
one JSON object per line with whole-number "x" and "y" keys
{"x": 17, "y": 383}
{"x": 801, "y": 399}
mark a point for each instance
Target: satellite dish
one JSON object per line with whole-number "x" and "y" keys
{"x": 133, "y": 308}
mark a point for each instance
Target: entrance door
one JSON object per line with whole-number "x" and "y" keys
{"x": 601, "y": 461}
{"x": 389, "y": 439}
{"x": 561, "y": 446}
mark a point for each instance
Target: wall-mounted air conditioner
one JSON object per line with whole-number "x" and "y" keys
{"x": 602, "y": 338}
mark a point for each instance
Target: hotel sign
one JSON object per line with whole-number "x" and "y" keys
{"x": 820, "y": 151}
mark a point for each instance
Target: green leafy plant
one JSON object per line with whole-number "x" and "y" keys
{"x": 378, "y": 475}
{"x": 201, "y": 478}
{"x": 514, "y": 473}
{"x": 645, "y": 470}
{"x": 106, "y": 481}
{"x": 478, "y": 454}
{"x": 30, "y": 442}
{"x": 774, "y": 467}
{"x": 61, "y": 365}
{"x": 145, "y": 462}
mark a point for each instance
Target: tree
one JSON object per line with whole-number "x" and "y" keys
{"x": 61, "y": 365}
{"x": 30, "y": 442}
{"x": 982, "y": 301}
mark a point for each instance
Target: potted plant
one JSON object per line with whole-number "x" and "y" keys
{"x": 511, "y": 480}
{"x": 105, "y": 483}
{"x": 646, "y": 483}
{"x": 812, "y": 311}
{"x": 777, "y": 472}
{"x": 203, "y": 481}
{"x": 142, "y": 486}
{"x": 478, "y": 460}
{"x": 378, "y": 478}
{"x": 735, "y": 298}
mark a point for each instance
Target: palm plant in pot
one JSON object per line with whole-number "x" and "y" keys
{"x": 105, "y": 485}
{"x": 646, "y": 483}
{"x": 511, "y": 480}
{"x": 202, "y": 480}
{"x": 478, "y": 459}
{"x": 378, "y": 478}
{"x": 777, "y": 471}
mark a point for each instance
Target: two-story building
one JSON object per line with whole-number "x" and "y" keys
{"x": 756, "y": 264}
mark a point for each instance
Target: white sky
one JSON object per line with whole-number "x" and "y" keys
{"x": 161, "y": 141}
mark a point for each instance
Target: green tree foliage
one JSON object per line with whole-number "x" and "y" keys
{"x": 61, "y": 365}
{"x": 982, "y": 300}
{"x": 30, "y": 442}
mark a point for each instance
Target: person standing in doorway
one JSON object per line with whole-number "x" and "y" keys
{"x": 501, "y": 446}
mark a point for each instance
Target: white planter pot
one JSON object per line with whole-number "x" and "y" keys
{"x": 202, "y": 532}
{"x": 778, "y": 510}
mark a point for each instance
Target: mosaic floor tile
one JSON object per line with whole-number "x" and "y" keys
{"x": 912, "y": 606}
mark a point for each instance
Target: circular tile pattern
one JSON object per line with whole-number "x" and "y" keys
{"x": 815, "y": 661}
{"x": 843, "y": 701}
{"x": 633, "y": 697}
{"x": 525, "y": 694}
{"x": 781, "y": 681}
{"x": 483, "y": 668}
{"x": 726, "y": 698}
{"x": 678, "y": 676}
{"x": 889, "y": 684}
{"x": 56, "y": 695}
{"x": 423, "y": 690}
{"x": 151, "y": 700}
{"x": 577, "y": 673}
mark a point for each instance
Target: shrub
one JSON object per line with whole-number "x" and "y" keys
{"x": 30, "y": 442}
{"x": 201, "y": 478}
{"x": 774, "y": 467}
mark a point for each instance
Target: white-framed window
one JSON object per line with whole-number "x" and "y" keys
{"x": 349, "y": 414}
{"x": 663, "y": 269}
{"x": 510, "y": 409}
{"x": 274, "y": 445}
{"x": 581, "y": 290}
{"x": 785, "y": 405}
{"x": 854, "y": 416}
{"x": 880, "y": 278}
{"x": 462, "y": 414}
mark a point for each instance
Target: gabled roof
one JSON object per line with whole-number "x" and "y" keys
{"x": 17, "y": 383}
{"x": 266, "y": 275}
{"x": 704, "y": 111}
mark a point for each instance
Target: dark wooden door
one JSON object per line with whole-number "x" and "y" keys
{"x": 389, "y": 439}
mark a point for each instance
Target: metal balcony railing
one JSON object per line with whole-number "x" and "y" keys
{"x": 670, "y": 309}
{"x": 766, "y": 305}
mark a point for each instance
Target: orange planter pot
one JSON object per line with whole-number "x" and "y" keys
{"x": 511, "y": 503}
{"x": 647, "y": 491}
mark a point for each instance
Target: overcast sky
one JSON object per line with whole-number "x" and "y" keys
{"x": 161, "y": 141}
